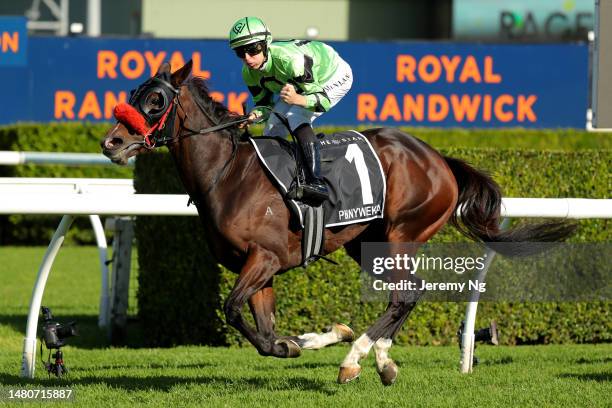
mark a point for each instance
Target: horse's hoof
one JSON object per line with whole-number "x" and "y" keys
{"x": 344, "y": 333}
{"x": 348, "y": 374}
{"x": 292, "y": 348}
{"x": 388, "y": 373}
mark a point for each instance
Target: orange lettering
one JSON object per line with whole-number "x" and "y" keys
{"x": 390, "y": 108}
{"x": 486, "y": 108}
{"x": 470, "y": 71}
{"x": 176, "y": 60}
{"x": 9, "y": 41}
{"x": 437, "y": 109}
{"x": 107, "y": 64}
{"x": 498, "y": 108}
{"x": 217, "y": 96}
{"x": 450, "y": 65}
{"x": 197, "y": 68}
{"x": 138, "y": 59}
{"x": 414, "y": 108}
{"x": 235, "y": 101}
{"x": 404, "y": 68}
{"x": 489, "y": 76}
{"x": 110, "y": 101}
{"x": 366, "y": 107}
{"x": 465, "y": 107}
{"x": 64, "y": 105}
{"x": 90, "y": 106}
{"x": 525, "y": 108}
{"x": 436, "y": 69}
{"x": 154, "y": 60}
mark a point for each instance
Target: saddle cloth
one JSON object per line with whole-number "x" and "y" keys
{"x": 349, "y": 166}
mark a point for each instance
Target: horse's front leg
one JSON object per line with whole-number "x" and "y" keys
{"x": 263, "y": 308}
{"x": 257, "y": 272}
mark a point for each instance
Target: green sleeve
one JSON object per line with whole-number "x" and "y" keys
{"x": 261, "y": 95}
{"x": 318, "y": 102}
{"x": 305, "y": 79}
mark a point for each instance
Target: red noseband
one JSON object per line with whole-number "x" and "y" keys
{"x": 130, "y": 117}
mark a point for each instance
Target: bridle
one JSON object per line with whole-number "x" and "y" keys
{"x": 160, "y": 132}
{"x": 216, "y": 126}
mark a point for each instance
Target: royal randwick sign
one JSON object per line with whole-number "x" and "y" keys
{"x": 395, "y": 83}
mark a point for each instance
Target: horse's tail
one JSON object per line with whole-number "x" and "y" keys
{"x": 479, "y": 205}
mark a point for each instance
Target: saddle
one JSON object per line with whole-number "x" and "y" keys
{"x": 352, "y": 172}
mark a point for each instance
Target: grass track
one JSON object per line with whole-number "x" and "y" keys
{"x": 190, "y": 376}
{"x": 577, "y": 375}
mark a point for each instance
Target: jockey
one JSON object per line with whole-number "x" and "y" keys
{"x": 309, "y": 77}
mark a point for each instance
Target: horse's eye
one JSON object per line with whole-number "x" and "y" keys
{"x": 154, "y": 100}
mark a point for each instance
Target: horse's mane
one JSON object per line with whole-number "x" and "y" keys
{"x": 199, "y": 89}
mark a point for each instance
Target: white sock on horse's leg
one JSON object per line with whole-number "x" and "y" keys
{"x": 386, "y": 368}
{"x": 350, "y": 368}
{"x": 381, "y": 348}
{"x": 315, "y": 341}
{"x": 361, "y": 347}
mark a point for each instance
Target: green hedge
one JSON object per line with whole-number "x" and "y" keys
{"x": 182, "y": 290}
{"x": 507, "y": 138}
{"x": 178, "y": 283}
{"x": 57, "y": 137}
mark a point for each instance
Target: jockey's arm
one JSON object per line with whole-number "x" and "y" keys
{"x": 263, "y": 98}
{"x": 311, "y": 94}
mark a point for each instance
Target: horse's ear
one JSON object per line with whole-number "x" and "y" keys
{"x": 165, "y": 67}
{"x": 181, "y": 75}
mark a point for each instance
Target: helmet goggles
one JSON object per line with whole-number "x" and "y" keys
{"x": 251, "y": 49}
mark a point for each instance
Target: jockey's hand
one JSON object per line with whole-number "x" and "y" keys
{"x": 253, "y": 117}
{"x": 289, "y": 96}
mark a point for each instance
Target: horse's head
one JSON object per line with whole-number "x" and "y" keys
{"x": 149, "y": 117}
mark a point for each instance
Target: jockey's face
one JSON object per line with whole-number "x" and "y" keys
{"x": 252, "y": 55}
{"x": 254, "y": 62}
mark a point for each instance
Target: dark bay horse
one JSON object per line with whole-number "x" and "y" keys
{"x": 248, "y": 224}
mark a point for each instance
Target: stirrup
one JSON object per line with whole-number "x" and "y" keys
{"x": 314, "y": 193}
{"x": 296, "y": 192}
{"x": 311, "y": 194}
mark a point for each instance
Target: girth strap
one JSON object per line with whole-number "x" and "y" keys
{"x": 312, "y": 237}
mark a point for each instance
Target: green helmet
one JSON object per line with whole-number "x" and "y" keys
{"x": 249, "y": 30}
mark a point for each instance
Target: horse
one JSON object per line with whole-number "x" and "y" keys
{"x": 235, "y": 198}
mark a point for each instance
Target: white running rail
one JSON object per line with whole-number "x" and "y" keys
{"x": 11, "y": 158}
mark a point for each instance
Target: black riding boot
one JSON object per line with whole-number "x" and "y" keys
{"x": 315, "y": 190}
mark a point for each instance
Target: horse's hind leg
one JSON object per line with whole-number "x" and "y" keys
{"x": 381, "y": 334}
{"x": 385, "y": 329}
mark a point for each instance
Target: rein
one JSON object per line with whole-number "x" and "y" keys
{"x": 172, "y": 107}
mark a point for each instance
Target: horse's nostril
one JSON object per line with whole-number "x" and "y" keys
{"x": 113, "y": 142}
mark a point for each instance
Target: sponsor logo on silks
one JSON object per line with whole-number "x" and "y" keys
{"x": 343, "y": 140}
{"x": 238, "y": 28}
{"x": 359, "y": 212}
{"x": 337, "y": 84}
